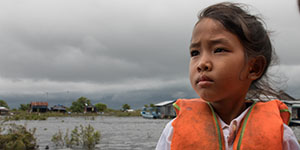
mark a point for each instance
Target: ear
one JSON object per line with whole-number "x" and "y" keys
{"x": 256, "y": 67}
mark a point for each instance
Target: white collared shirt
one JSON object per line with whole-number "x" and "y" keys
{"x": 229, "y": 131}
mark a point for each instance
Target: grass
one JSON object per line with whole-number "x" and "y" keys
{"x": 24, "y": 115}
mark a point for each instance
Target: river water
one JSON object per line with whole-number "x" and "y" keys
{"x": 117, "y": 133}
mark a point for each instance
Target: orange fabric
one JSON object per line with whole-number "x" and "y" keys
{"x": 285, "y": 115}
{"x": 195, "y": 128}
{"x": 264, "y": 128}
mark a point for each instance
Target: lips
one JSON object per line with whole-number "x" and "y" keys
{"x": 203, "y": 78}
{"x": 204, "y": 81}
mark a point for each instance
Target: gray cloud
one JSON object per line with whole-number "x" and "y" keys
{"x": 135, "y": 49}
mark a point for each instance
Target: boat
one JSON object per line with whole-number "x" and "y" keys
{"x": 149, "y": 113}
{"x": 294, "y": 109}
{"x": 294, "y": 123}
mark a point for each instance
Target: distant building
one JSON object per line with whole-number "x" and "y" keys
{"x": 90, "y": 109}
{"x": 281, "y": 95}
{"x": 292, "y": 103}
{"x": 38, "y": 106}
{"x": 3, "y": 110}
{"x": 165, "y": 109}
{"x": 59, "y": 108}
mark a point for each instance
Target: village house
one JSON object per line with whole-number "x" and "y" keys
{"x": 165, "y": 109}
{"x": 59, "y": 108}
{"x": 3, "y": 110}
{"x": 90, "y": 109}
{"x": 38, "y": 107}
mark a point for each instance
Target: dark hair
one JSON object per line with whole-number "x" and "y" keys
{"x": 299, "y": 4}
{"x": 251, "y": 33}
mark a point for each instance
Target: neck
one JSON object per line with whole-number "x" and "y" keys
{"x": 229, "y": 109}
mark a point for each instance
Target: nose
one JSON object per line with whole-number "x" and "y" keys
{"x": 204, "y": 65}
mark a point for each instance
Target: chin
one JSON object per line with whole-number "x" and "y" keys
{"x": 207, "y": 98}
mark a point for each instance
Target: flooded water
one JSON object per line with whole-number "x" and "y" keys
{"x": 296, "y": 130}
{"x": 117, "y": 133}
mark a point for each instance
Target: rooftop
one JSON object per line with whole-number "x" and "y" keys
{"x": 164, "y": 103}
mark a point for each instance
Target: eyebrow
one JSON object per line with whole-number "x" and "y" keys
{"x": 219, "y": 41}
{"x": 195, "y": 45}
{"x": 211, "y": 42}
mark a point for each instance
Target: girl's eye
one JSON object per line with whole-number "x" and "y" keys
{"x": 194, "y": 53}
{"x": 219, "y": 50}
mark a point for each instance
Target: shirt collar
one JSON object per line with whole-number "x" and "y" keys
{"x": 238, "y": 119}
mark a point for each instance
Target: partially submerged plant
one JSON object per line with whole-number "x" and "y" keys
{"x": 17, "y": 137}
{"x": 57, "y": 139}
{"x": 87, "y": 138}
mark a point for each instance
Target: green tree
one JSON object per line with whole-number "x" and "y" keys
{"x": 152, "y": 105}
{"x": 101, "y": 107}
{"x": 24, "y": 107}
{"x": 78, "y": 106}
{"x": 3, "y": 104}
{"x": 146, "y": 106}
{"x": 125, "y": 107}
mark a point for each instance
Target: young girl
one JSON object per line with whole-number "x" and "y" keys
{"x": 230, "y": 53}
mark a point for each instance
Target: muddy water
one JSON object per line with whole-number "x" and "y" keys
{"x": 117, "y": 133}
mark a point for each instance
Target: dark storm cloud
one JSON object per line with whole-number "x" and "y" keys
{"x": 116, "y": 50}
{"x": 108, "y": 46}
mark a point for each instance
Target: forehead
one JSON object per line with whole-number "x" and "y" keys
{"x": 209, "y": 25}
{"x": 209, "y": 30}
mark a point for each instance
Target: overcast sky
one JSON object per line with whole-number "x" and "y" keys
{"x": 118, "y": 51}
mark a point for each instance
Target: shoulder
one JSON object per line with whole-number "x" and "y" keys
{"x": 275, "y": 107}
{"x": 290, "y": 141}
{"x": 164, "y": 142}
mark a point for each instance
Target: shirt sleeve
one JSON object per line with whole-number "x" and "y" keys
{"x": 164, "y": 142}
{"x": 290, "y": 141}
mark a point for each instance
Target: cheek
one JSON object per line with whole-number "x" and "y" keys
{"x": 239, "y": 68}
{"x": 244, "y": 71}
{"x": 191, "y": 72}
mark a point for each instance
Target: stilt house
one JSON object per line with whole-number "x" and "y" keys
{"x": 165, "y": 109}
{"x": 3, "y": 110}
{"x": 38, "y": 106}
{"x": 59, "y": 108}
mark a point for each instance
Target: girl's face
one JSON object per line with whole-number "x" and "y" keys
{"x": 218, "y": 69}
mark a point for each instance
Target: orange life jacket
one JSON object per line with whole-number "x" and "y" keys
{"x": 197, "y": 127}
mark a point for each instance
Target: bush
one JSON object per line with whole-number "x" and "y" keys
{"x": 57, "y": 139}
{"x": 101, "y": 107}
{"x": 87, "y": 138}
{"x": 3, "y": 103}
{"x": 17, "y": 137}
{"x": 78, "y": 106}
{"x": 24, "y": 107}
